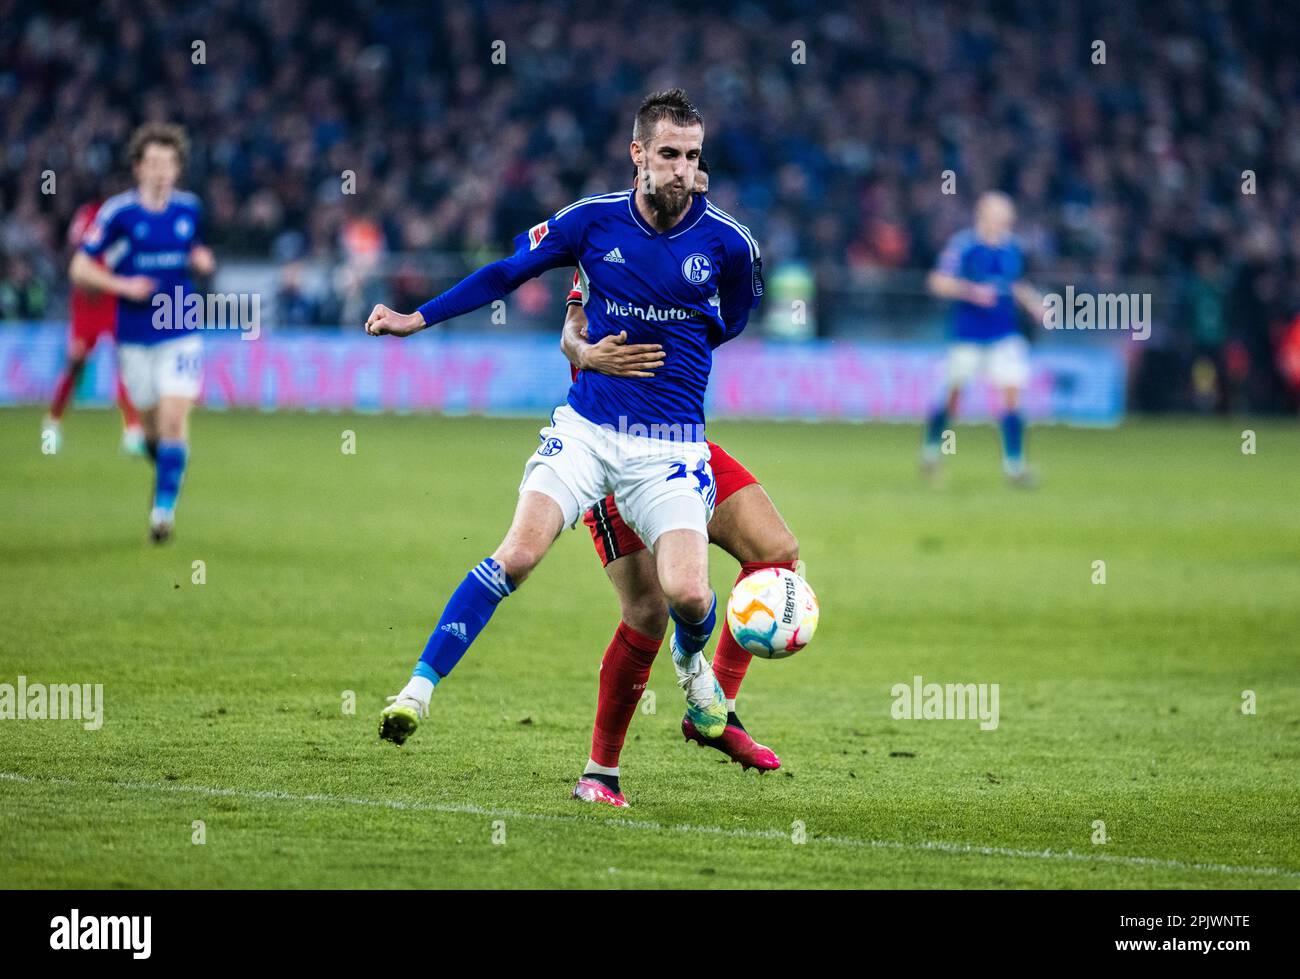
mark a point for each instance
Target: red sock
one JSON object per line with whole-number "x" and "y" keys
{"x": 62, "y": 393}
{"x": 130, "y": 417}
{"x": 731, "y": 661}
{"x": 624, "y": 673}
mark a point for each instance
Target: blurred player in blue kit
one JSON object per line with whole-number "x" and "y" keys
{"x": 982, "y": 270}
{"x": 148, "y": 240}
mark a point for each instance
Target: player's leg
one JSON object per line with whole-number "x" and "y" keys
{"x": 963, "y": 361}
{"x": 178, "y": 369}
{"x": 666, "y": 491}
{"x": 625, "y": 668}
{"x": 78, "y": 353}
{"x": 133, "y": 437}
{"x": 1012, "y": 425}
{"x": 149, "y": 429}
{"x": 171, "y": 457}
{"x": 136, "y": 366}
{"x": 1008, "y": 368}
{"x": 954, "y": 401}
{"x": 682, "y": 560}
{"x": 747, "y": 525}
{"x": 682, "y": 563}
{"x": 537, "y": 522}
{"x": 563, "y": 474}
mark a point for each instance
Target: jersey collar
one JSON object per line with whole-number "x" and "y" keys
{"x": 694, "y": 212}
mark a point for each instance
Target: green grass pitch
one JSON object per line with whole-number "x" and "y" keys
{"x": 1120, "y": 703}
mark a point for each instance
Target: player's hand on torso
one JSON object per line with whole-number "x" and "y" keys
{"x": 383, "y": 320}
{"x": 614, "y": 356}
{"x": 137, "y": 288}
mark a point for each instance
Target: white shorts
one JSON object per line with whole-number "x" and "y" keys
{"x": 1004, "y": 363}
{"x": 658, "y": 484}
{"x": 171, "y": 369}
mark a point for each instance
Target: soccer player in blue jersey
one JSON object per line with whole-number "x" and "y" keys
{"x": 982, "y": 270}
{"x": 149, "y": 239}
{"x": 668, "y": 267}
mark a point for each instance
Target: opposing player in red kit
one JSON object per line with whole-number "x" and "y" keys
{"x": 745, "y": 524}
{"x": 92, "y": 317}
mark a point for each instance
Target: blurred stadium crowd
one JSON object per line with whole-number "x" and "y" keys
{"x": 1127, "y": 170}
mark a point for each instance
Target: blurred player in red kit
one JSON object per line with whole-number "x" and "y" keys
{"x": 92, "y": 317}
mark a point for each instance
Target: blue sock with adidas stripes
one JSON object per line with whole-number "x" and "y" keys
{"x": 467, "y": 612}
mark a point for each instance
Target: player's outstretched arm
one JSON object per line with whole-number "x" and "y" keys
{"x": 491, "y": 282}
{"x": 543, "y": 247}
{"x": 612, "y": 355}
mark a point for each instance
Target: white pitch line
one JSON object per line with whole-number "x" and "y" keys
{"x": 961, "y": 849}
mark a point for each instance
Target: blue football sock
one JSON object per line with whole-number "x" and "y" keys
{"x": 935, "y": 426}
{"x": 168, "y": 471}
{"x": 467, "y": 612}
{"x": 694, "y": 636}
{"x": 1013, "y": 439}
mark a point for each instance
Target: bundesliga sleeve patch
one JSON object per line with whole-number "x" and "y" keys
{"x": 758, "y": 277}
{"x": 536, "y": 233}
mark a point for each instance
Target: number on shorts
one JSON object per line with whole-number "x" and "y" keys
{"x": 705, "y": 484}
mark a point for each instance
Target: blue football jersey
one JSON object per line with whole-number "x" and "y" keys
{"x": 1000, "y": 266}
{"x": 690, "y": 289}
{"x": 137, "y": 241}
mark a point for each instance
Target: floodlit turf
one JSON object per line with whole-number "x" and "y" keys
{"x": 224, "y": 701}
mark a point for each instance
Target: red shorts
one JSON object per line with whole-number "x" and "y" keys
{"x": 93, "y": 317}
{"x": 86, "y": 336}
{"x": 615, "y": 539}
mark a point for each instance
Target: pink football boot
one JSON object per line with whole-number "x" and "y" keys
{"x": 737, "y": 745}
{"x": 591, "y": 789}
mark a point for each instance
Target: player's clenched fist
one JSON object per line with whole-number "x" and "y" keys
{"x": 384, "y": 320}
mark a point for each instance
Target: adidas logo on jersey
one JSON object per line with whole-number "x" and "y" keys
{"x": 616, "y": 256}
{"x": 457, "y": 629}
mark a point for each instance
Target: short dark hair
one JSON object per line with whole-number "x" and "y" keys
{"x": 674, "y": 105}
{"x": 160, "y": 134}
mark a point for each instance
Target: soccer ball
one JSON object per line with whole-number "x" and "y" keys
{"x": 772, "y": 613}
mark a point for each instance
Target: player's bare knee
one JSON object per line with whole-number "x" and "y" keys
{"x": 171, "y": 421}
{"x": 784, "y": 548}
{"x": 697, "y": 606}
{"x": 518, "y": 559}
{"x": 690, "y": 599}
{"x": 518, "y": 555}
